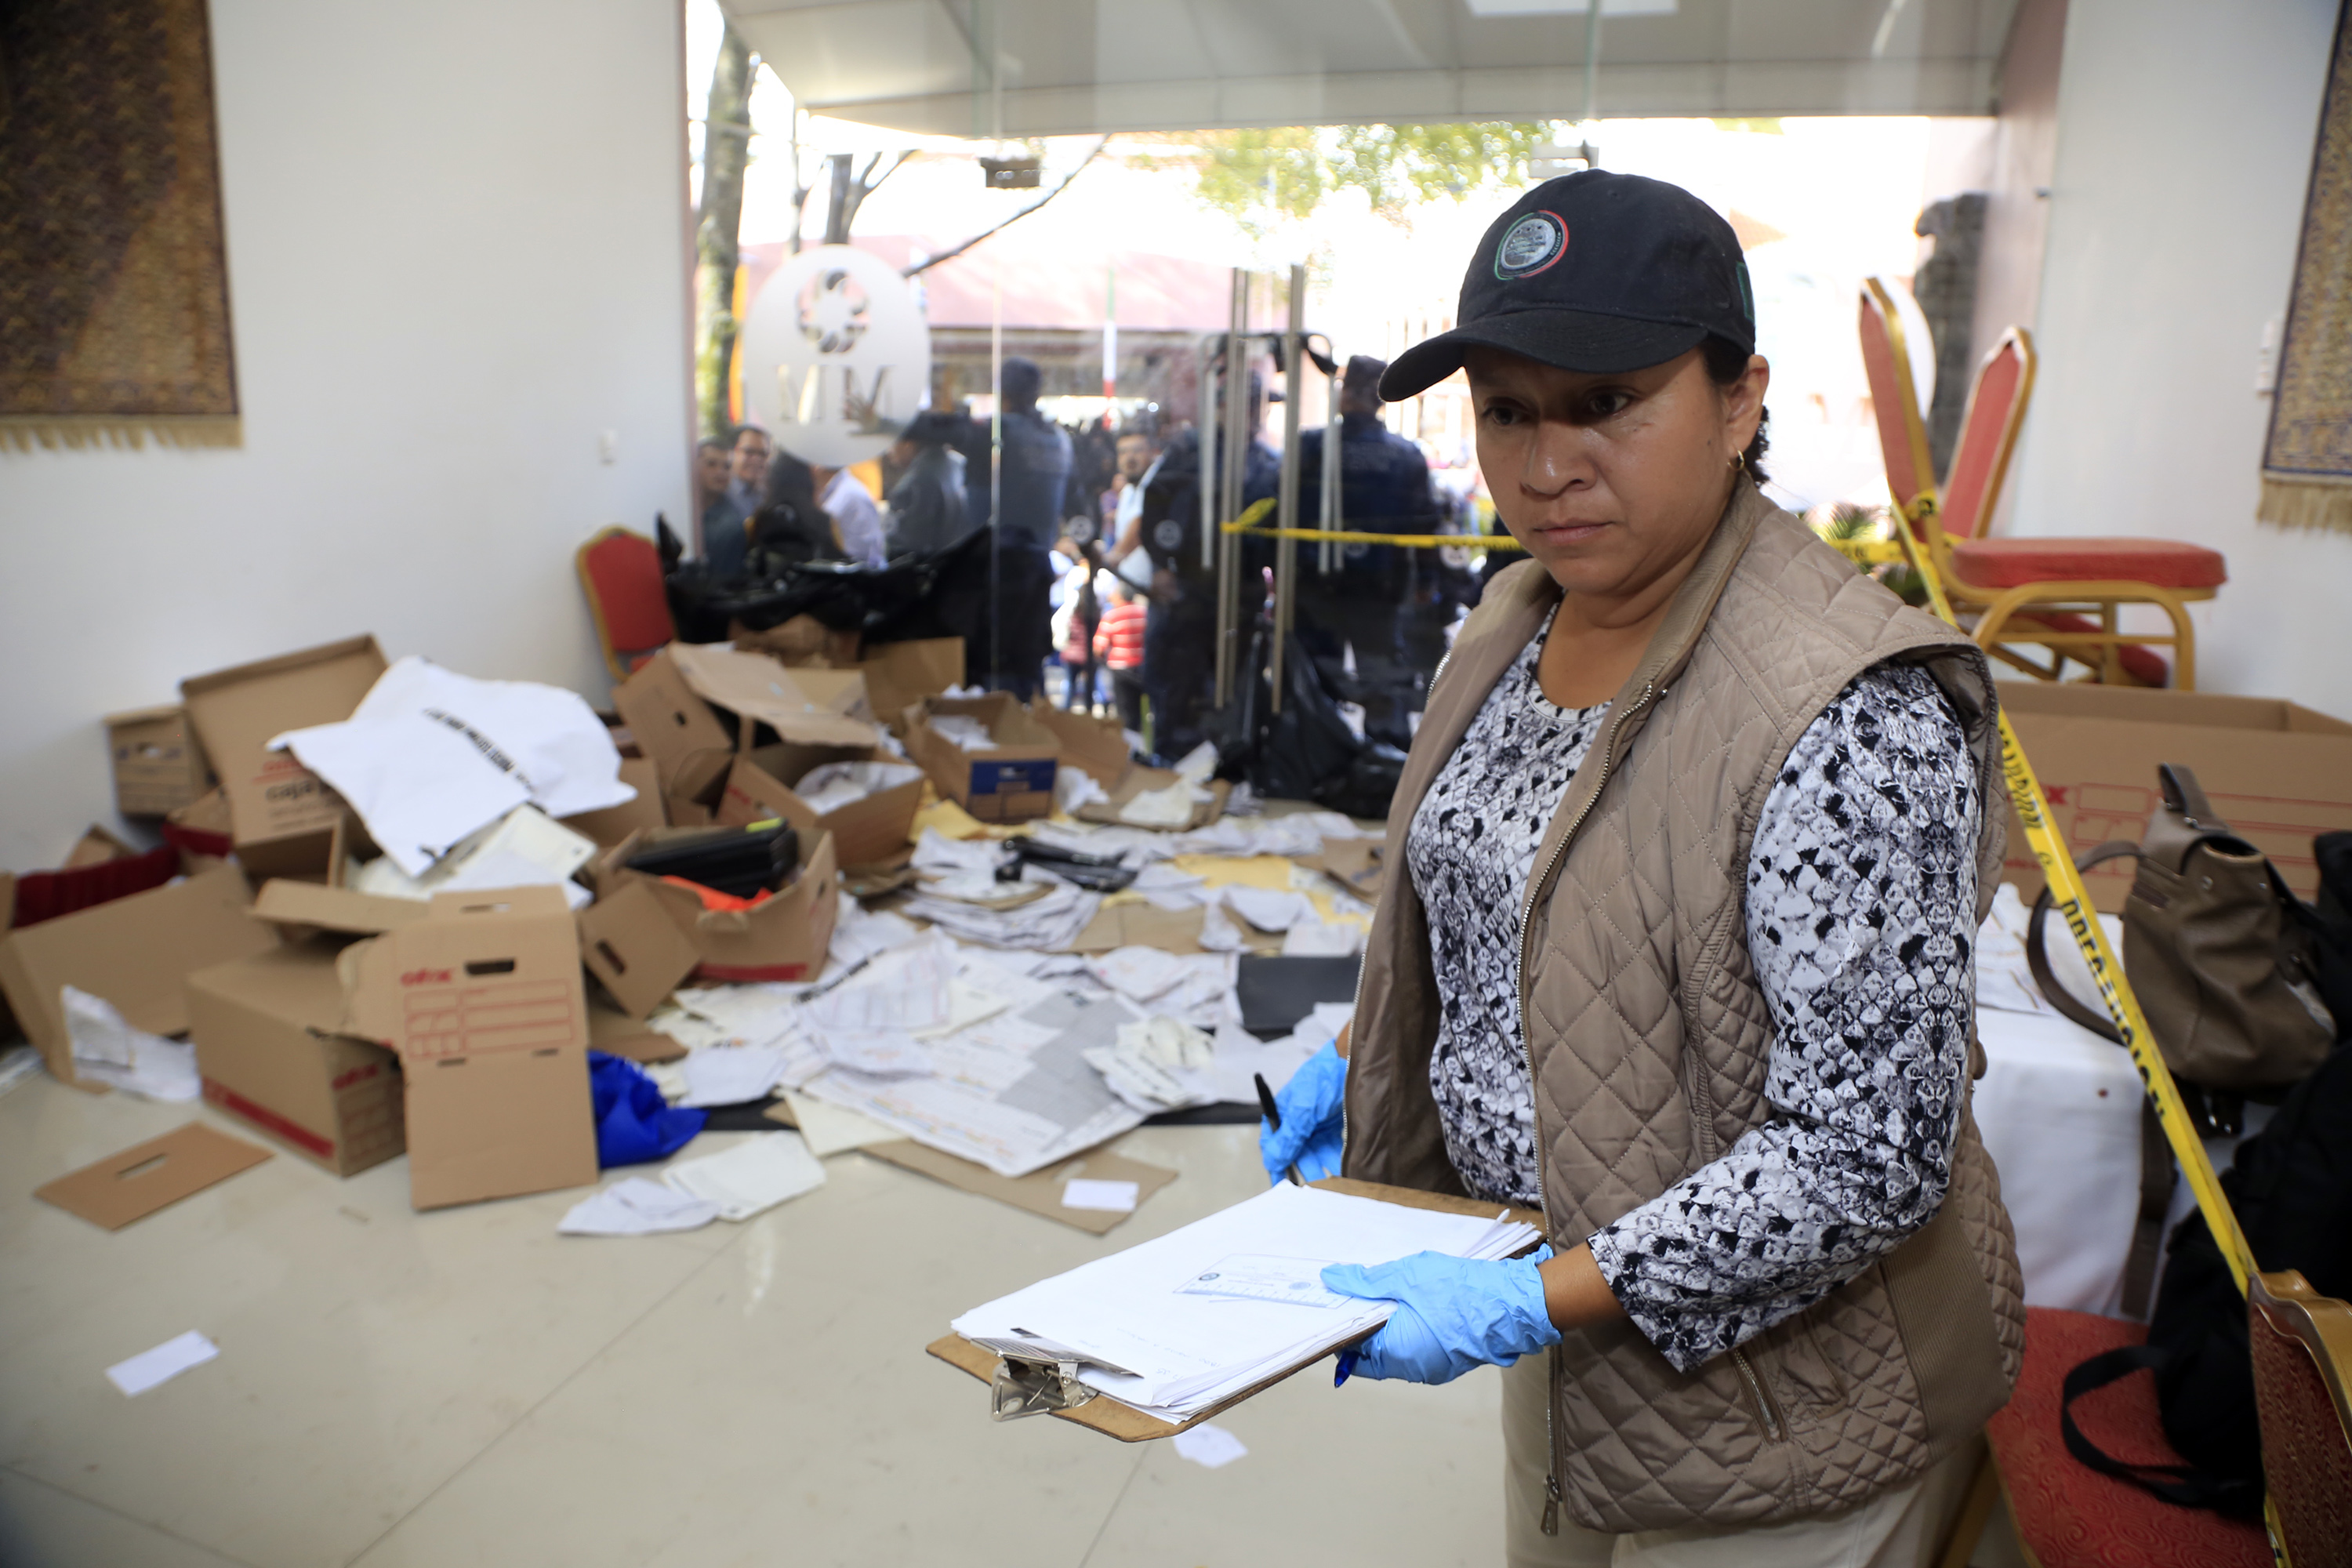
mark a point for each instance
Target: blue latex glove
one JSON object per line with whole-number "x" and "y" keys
{"x": 1453, "y": 1314}
{"x": 1309, "y": 1104}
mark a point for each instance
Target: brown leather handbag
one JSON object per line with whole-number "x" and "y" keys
{"x": 2222, "y": 957}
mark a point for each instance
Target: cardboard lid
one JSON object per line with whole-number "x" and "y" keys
{"x": 149, "y": 1176}
{"x": 290, "y": 903}
{"x": 820, "y": 706}
{"x": 298, "y": 983}
{"x": 169, "y": 710}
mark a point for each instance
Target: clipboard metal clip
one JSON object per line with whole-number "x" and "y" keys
{"x": 1036, "y": 1377}
{"x": 1025, "y": 1387}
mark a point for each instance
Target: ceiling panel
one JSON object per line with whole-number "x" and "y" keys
{"x": 1069, "y": 67}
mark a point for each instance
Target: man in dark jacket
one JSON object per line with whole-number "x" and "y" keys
{"x": 1384, "y": 489}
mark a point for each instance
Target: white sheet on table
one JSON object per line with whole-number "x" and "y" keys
{"x": 2058, "y": 1108}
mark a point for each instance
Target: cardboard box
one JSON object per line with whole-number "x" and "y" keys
{"x": 1140, "y": 780}
{"x": 158, "y": 765}
{"x": 1098, "y": 745}
{"x": 771, "y": 701}
{"x": 783, "y": 938}
{"x": 1009, "y": 782}
{"x": 200, "y": 829}
{"x": 281, "y": 813}
{"x": 634, "y": 950}
{"x": 676, "y": 730}
{"x": 134, "y": 952}
{"x": 802, "y": 640}
{"x": 484, "y": 1003}
{"x": 270, "y": 1044}
{"x": 2277, "y": 772}
{"x": 864, "y": 832}
{"x": 900, "y": 674}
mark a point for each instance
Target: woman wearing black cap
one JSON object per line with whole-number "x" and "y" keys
{"x": 1699, "y": 826}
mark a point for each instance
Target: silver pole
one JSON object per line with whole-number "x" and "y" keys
{"x": 1285, "y": 553}
{"x": 1209, "y": 360}
{"x": 1591, "y": 65}
{"x": 1326, "y": 554}
{"x": 1229, "y": 487}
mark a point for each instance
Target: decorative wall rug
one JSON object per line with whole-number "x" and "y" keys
{"x": 2307, "y": 461}
{"x": 114, "y": 321}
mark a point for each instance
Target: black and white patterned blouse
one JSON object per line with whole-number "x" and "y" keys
{"x": 1860, "y": 898}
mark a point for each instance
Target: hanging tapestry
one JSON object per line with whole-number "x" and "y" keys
{"x": 113, "y": 282}
{"x": 2307, "y": 462}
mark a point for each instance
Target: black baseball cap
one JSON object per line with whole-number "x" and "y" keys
{"x": 1595, "y": 272}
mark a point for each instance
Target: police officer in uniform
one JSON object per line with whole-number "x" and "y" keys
{"x": 1179, "y": 634}
{"x": 1384, "y": 489}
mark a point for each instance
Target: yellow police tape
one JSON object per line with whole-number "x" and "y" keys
{"x": 2072, "y": 902}
{"x": 1247, "y": 524}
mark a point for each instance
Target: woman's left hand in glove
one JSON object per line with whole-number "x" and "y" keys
{"x": 1453, "y": 1314}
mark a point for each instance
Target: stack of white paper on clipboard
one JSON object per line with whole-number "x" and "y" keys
{"x": 1177, "y": 1325}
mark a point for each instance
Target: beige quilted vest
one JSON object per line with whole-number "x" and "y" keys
{"x": 1648, "y": 1037}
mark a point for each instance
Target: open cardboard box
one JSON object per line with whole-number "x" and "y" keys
{"x": 2278, "y": 774}
{"x": 483, "y": 1002}
{"x": 134, "y": 952}
{"x": 897, "y": 674}
{"x": 159, "y": 766}
{"x": 691, "y": 708}
{"x": 1011, "y": 780}
{"x": 270, "y": 1047}
{"x": 280, "y": 812}
{"x": 1098, "y": 745}
{"x": 864, "y": 832}
{"x": 901, "y": 673}
{"x": 783, "y": 937}
{"x": 1140, "y": 780}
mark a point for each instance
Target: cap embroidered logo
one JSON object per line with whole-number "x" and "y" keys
{"x": 1529, "y": 245}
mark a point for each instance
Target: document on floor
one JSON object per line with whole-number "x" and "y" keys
{"x": 1014, "y": 1092}
{"x": 752, "y": 1177}
{"x": 1181, "y": 1344}
{"x": 164, "y": 1363}
{"x": 635, "y": 1206}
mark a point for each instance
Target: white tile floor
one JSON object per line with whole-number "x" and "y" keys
{"x": 466, "y": 1386}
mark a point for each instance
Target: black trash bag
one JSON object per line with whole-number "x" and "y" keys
{"x": 1305, "y": 753}
{"x": 1370, "y": 784}
{"x": 942, "y": 593}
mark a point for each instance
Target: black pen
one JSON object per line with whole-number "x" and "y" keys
{"x": 1274, "y": 1118}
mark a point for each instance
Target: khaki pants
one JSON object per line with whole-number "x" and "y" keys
{"x": 1903, "y": 1527}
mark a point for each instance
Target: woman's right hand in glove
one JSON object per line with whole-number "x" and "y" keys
{"x": 1309, "y": 1135}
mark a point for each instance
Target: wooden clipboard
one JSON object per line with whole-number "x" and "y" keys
{"x": 1125, "y": 1422}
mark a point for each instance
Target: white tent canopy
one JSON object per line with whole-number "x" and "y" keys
{"x": 1073, "y": 66}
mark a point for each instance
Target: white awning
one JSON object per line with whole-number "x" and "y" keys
{"x": 1074, "y": 66}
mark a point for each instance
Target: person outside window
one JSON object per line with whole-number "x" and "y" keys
{"x": 1119, "y": 647}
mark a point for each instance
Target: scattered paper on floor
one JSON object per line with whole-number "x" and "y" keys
{"x": 1115, "y": 1197}
{"x": 635, "y": 1206}
{"x": 754, "y": 1176}
{"x": 164, "y": 1363}
{"x": 1209, "y": 1445}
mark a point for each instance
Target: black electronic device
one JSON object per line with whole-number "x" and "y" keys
{"x": 742, "y": 862}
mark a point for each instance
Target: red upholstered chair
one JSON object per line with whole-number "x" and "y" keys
{"x": 2303, "y": 1359}
{"x": 2067, "y": 1514}
{"x": 621, "y": 573}
{"x": 2060, "y": 596}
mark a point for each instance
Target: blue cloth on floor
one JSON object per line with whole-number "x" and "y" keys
{"x": 634, "y": 1122}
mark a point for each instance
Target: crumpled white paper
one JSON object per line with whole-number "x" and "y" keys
{"x": 107, "y": 1050}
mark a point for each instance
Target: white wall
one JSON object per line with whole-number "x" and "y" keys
{"x": 456, "y": 254}
{"x": 2184, "y": 141}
